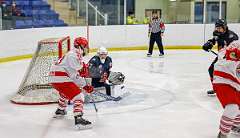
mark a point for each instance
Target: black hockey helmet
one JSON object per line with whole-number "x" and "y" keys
{"x": 221, "y": 23}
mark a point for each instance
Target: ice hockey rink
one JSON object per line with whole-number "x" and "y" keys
{"x": 168, "y": 100}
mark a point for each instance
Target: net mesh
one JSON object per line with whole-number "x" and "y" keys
{"x": 34, "y": 88}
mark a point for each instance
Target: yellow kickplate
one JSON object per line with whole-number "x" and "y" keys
{"x": 27, "y": 56}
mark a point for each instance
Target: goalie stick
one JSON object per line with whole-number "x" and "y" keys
{"x": 107, "y": 97}
{"x": 111, "y": 98}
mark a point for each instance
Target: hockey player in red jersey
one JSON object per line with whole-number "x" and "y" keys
{"x": 226, "y": 83}
{"x": 68, "y": 77}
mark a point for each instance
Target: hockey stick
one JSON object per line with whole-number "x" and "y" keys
{"x": 93, "y": 101}
{"x": 111, "y": 98}
{"x": 213, "y": 52}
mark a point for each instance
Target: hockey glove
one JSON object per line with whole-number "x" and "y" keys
{"x": 88, "y": 88}
{"x": 84, "y": 71}
{"x": 207, "y": 46}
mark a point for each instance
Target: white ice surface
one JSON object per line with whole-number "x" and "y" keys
{"x": 168, "y": 100}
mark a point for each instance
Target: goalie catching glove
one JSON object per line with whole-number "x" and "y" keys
{"x": 116, "y": 78}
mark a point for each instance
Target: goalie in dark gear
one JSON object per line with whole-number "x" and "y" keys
{"x": 99, "y": 69}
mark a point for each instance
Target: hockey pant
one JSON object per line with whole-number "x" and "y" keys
{"x": 69, "y": 91}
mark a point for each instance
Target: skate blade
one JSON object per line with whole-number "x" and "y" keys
{"x": 211, "y": 95}
{"x": 59, "y": 116}
{"x": 235, "y": 134}
{"x": 83, "y": 127}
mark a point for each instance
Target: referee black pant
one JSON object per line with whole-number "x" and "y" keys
{"x": 155, "y": 37}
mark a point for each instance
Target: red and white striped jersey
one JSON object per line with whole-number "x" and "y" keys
{"x": 227, "y": 71}
{"x": 67, "y": 69}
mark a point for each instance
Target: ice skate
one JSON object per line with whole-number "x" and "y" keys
{"x": 149, "y": 55}
{"x": 220, "y": 135}
{"x": 60, "y": 113}
{"x": 81, "y": 123}
{"x": 161, "y": 55}
{"x": 236, "y": 130}
{"x": 211, "y": 93}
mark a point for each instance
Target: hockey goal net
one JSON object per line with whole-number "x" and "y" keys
{"x": 34, "y": 88}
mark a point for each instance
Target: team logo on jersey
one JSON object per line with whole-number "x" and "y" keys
{"x": 233, "y": 55}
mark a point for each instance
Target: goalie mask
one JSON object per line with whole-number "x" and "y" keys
{"x": 102, "y": 53}
{"x": 116, "y": 78}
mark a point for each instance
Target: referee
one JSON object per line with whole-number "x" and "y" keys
{"x": 156, "y": 30}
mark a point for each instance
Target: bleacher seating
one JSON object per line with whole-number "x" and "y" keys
{"x": 38, "y": 13}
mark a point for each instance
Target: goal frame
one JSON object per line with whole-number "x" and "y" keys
{"x": 60, "y": 53}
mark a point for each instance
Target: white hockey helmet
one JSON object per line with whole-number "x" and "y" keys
{"x": 102, "y": 51}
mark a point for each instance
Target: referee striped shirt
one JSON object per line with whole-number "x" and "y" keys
{"x": 156, "y": 25}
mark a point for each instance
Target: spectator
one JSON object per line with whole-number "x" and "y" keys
{"x": 1, "y": 1}
{"x": 131, "y": 19}
{"x": 6, "y": 17}
{"x": 5, "y": 11}
{"x": 16, "y": 13}
{"x": 146, "y": 20}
